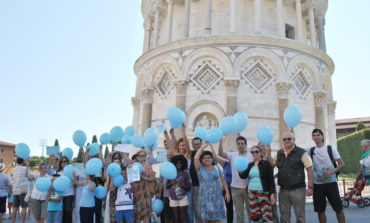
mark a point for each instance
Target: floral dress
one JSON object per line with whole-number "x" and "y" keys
{"x": 211, "y": 202}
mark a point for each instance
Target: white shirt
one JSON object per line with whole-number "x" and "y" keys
{"x": 366, "y": 161}
{"x": 236, "y": 181}
{"x": 20, "y": 181}
{"x": 124, "y": 199}
{"x": 321, "y": 159}
{"x": 36, "y": 194}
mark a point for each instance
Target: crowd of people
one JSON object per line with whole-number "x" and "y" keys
{"x": 208, "y": 188}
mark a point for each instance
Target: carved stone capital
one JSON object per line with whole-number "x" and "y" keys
{"x": 180, "y": 86}
{"x": 147, "y": 95}
{"x": 158, "y": 7}
{"x": 231, "y": 86}
{"x": 319, "y": 98}
{"x": 331, "y": 107}
{"x": 283, "y": 89}
{"x": 135, "y": 102}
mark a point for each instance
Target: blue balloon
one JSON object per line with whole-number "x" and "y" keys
{"x": 68, "y": 152}
{"x": 240, "y": 163}
{"x": 22, "y": 151}
{"x": 104, "y": 138}
{"x": 139, "y": 165}
{"x": 153, "y": 148}
{"x": 157, "y": 206}
{"x": 137, "y": 141}
{"x": 200, "y": 132}
{"x": 94, "y": 149}
{"x": 93, "y": 166}
{"x": 68, "y": 171}
{"x": 130, "y": 130}
{"x": 292, "y": 116}
{"x": 241, "y": 121}
{"x": 126, "y": 139}
{"x": 160, "y": 127}
{"x": 214, "y": 135}
{"x": 114, "y": 169}
{"x": 116, "y": 134}
{"x": 175, "y": 115}
{"x": 265, "y": 135}
{"x": 118, "y": 180}
{"x": 43, "y": 184}
{"x": 100, "y": 192}
{"x": 61, "y": 183}
{"x": 79, "y": 138}
{"x": 150, "y": 136}
{"x": 227, "y": 125}
{"x": 175, "y": 125}
{"x": 168, "y": 170}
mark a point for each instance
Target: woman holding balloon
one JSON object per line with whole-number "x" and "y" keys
{"x": 39, "y": 205}
{"x": 210, "y": 205}
{"x": 261, "y": 187}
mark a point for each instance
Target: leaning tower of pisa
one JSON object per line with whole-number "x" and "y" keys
{"x": 213, "y": 58}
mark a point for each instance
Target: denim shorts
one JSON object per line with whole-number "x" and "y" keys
{"x": 127, "y": 215}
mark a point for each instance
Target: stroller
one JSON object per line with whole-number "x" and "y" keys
{"x": 354, "y": 195}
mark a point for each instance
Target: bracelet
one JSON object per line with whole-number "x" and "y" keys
{"x": 310, "y": 187}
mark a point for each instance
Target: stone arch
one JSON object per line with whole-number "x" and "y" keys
{"x": 308, "y": 64}
{"x": 163, "y": 61}
{"x": 202, "y": 107}
{"x": 272, "y": 59}
{"x": 207, "y": 52}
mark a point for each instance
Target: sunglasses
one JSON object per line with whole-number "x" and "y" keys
{"x": 141, "y": 156}
{"x": 64, "y": 161}
{"x": 255, "y": 152}
{"x": 287, "y": 139}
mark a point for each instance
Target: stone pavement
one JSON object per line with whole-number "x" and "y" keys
{"x": 352, "y": 213}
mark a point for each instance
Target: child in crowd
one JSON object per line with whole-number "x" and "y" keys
{"x": 55, "y": 204}
{"x": 87, "y": 202}
{"x": 10, "y": 204}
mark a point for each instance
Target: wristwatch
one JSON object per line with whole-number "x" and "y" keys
{"x": 310, "y": 187}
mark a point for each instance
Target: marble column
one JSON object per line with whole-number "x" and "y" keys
{"x": 298, "y": 11}
{"x": 187, "y": 18}
{"x": 181, "y": 86}
{"x": 169, "y": 19}
{"x": 283, "y": 89}
{"x": 257, "y": 17}
{"x": 147, "y": 100}
{"x": 232, "y": 16}
{"x": 156, "y": 25}
{"x": 311, "y": 16}
{"x": 321, "y": 33}
{"x": 231, "y": 86}
{"x": 208, "y": 26}
{"x": 136, "y": 105}
{"x": 320, "y": 101}
{"x": 280, "y": 20}
{"x": 331, "y": 123}
{"x": 148, "y": 32}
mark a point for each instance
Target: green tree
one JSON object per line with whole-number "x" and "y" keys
{"x": 94, "y": 139}
{"x": 360, "y": 126}
{"x": 106, "y": 152}
{"x": 56, "y": 143}
{"x": 34, "y": 161}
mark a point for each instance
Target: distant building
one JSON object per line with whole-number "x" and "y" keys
{"x": 348, "y": 126}
{"x": 7, "y": 153}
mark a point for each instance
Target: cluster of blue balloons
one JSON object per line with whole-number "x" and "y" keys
{"x": 292, "y": 116}
{"x": 43, "y": 184}
{"x": 105, "y": 138}
{"x": 214, "y": 135}
{"x": 22, "y": 151}
{"x": 168, "y": 170}
{"x": 93, "y": 166}
{"x": 240, "y": 163}
{"x": 100, "y": 192}
{"x": 114, "y": 169}
{"x": 137, "y": 141}
{"x": 150, "y": 137}
{"x": 201, "y": 133}
{"x": 94, "y": 149}
{"x": 176, "y": 117}
{"x": 116, "y": 134}
{"x": 265, "y": 135}
{"x": 227, "y": 125}
{"x": 68, "y": 152}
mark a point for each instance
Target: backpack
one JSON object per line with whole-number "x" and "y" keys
{"x": 330, "y": 152}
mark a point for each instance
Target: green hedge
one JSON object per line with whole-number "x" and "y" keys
{"x": 350, "y": 150}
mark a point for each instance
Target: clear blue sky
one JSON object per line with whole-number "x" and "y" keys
{"x": 68, "y": 65}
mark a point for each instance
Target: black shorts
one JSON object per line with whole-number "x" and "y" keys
{"x": 19, "y": 201}
{"x": 329, "y": 191}
{"x": 2, "y": 205}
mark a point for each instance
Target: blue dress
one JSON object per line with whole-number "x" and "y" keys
{"x": 210, "y": 200}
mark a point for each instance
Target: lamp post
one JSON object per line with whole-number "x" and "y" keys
{"x": 42, "y": 143}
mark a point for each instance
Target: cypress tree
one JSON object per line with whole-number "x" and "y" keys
{"x": 94, "y": 139}
{"x": 56, "y": 143}
{"x": 360, "y": 126}
{"x": 106, "y": 152}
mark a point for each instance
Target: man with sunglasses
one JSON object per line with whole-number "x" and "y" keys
{"x": 326, "y": 163}
{"x": 291, "y": 162}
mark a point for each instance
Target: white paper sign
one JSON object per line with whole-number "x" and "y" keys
{"x": 125, "y": 148}
{"x": 133, "y": 174}
{"x": 161, "y": 156}
{"x": 52, "y": 150}
{"x": 79, "y": 169}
